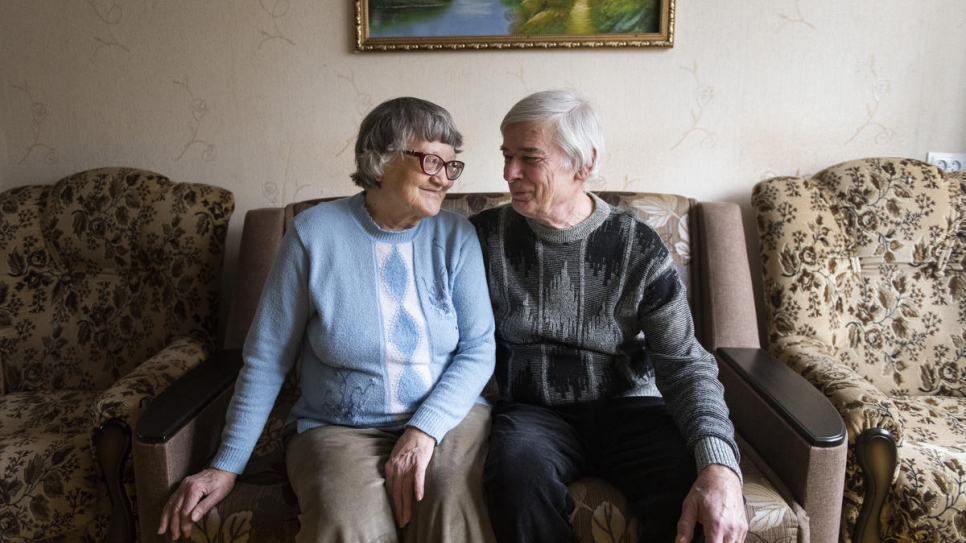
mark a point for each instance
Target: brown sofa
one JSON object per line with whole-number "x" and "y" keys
{"x": 865, "y": 289}
{"x": 792, "y": 439}
{"x": 109, "y": 287}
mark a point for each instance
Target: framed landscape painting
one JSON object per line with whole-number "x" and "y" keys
{"x": 393, "y": 25}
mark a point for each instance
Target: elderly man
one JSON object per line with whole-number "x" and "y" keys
{"x": 597, "y": 364}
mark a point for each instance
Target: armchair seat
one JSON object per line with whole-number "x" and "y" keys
{"x": 931, "y": 480}
{"x": 61, "y": 411}
{"x": 46, "y": 440}
{"x": 928, "y": 421}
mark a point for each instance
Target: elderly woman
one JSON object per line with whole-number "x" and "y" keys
{"x": 381, "y": 299}
{"x": 597, "y": 364}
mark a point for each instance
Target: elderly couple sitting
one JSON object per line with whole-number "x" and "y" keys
{"x": 381, "y": 298}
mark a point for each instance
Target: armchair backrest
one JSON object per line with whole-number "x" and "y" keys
{"x": 866, "y": 258}
{"x": 102, "y": 270}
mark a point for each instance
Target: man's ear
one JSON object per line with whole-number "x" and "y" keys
{"x": 584, "y": 173}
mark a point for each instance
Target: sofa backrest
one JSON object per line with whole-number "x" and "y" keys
{"x": 867, "y": 258}
{"x": 670, "y": 215}
{"x": 103, "y": 269}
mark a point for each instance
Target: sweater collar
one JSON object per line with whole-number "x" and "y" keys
{"x": 577, "y": 232}
{"x": 357, "y": 205}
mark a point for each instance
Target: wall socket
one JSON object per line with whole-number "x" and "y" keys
{"x": 950, "y": 162}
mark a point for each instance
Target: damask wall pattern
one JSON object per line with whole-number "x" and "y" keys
{"x": 265, "y": 96}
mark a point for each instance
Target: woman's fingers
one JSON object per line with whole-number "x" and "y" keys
{"x": 193, "y": 498}
{"x": 398, "y": 472}
{"x": 406, "y": 471}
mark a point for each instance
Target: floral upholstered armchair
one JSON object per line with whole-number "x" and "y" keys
{"x": 793, "y": 452}
{"x": 865, "y": 290}
{"x": 109, "y": 284}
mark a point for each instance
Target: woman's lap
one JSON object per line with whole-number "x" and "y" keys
{"x": 338, "y": 475}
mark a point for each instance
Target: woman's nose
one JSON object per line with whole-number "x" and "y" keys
{"x": 439, "y": 178}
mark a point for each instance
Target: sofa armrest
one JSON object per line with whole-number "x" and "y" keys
{"x": 179, "y": 433}
{"x": 800, "y": 405}
{"x": 793, "y": 428}
{"x": 188, "y": 396}
{"x": 723, "y": 277}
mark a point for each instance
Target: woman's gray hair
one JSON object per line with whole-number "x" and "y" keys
{"x": 576, "y": 126}
{"x": 391, "y": 126}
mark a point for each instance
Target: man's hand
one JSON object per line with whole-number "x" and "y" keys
{"x": 715, "y": 501}
{"x": 406, "y": 471}
{"x": 194, "y": 497}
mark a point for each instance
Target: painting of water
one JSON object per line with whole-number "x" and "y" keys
{"x": 481, "y": 24}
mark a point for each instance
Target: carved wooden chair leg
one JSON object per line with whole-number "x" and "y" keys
{"x": 876, "y": 452}
{"x": 113, "y": 443}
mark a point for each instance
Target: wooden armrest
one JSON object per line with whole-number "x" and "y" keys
{"x": 802, "y": 406}
{"x": 187, "y": 396}
{"x": 792, "y": 428}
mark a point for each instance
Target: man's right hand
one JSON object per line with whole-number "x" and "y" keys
{"x": 194, "y": 497}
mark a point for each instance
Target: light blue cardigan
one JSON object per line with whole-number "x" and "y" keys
{"x": 328, "y": 303}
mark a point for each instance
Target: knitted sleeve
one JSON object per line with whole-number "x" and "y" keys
{"x": 269, "y": 352}
{"x": 686, "y": 374}
{"x": 464, "y": 378}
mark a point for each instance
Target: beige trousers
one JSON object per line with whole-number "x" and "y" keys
{"x": 338, "y": 475}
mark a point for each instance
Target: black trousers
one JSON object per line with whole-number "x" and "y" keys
{"x": 535, "y": 452}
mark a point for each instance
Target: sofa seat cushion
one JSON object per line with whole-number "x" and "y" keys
{"x": 601, "y": 513}
{"x": 770, "y": 517}
{"x": 266, "y": 512}
{"x": 50, "y": 486}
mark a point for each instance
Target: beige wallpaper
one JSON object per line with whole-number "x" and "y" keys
{"x": 264, "y": 96}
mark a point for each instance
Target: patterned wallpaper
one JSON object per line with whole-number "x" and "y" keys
{"x": 264, "y": 96}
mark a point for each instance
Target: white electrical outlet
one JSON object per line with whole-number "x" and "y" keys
{"x": 950, "y": 162}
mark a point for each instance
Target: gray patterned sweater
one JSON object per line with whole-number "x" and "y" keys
{"x": 598, "y": 311}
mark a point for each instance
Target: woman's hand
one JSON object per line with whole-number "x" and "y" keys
{"x": 406, "y": 471}
{"x": 194, "y": 497}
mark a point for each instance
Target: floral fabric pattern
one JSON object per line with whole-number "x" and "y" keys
{"x": 109, "y": 285}
{"x": 865, "y": 294}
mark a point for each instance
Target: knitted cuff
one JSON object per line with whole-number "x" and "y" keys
{"x": 713, "y": 450}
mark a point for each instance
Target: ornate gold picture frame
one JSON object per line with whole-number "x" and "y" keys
{"x": 404, "y": 25}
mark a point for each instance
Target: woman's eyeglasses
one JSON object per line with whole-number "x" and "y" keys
{"x": 432, "y": 164}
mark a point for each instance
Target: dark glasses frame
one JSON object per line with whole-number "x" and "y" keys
{"x": 454, "y": 168}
